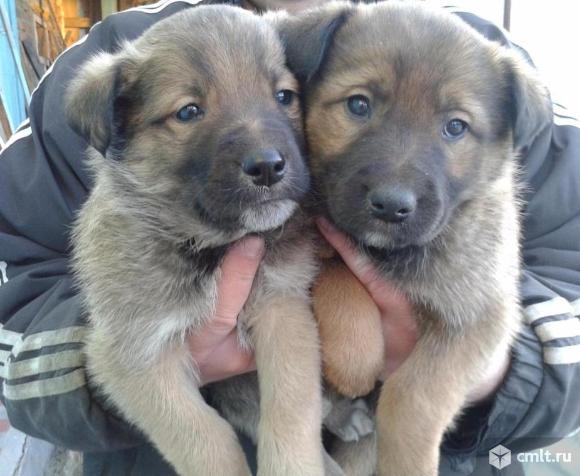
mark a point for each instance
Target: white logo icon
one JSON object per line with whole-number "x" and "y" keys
{"x": 3, "y": 277}
{"x": 500, "y": 457}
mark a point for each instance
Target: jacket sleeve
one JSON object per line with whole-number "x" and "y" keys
{"x": 537, "y": 404}
{"x": 43, "y": 182}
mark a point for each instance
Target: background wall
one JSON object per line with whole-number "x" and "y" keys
{"x": 550, "y": 31}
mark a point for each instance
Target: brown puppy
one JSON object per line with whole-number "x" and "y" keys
{"x": 196, "y": 141}
{"x": 414, "y": 122}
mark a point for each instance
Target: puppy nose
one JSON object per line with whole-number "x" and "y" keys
{"x": 393, "y": 205}
{"x": 266, "y": 167}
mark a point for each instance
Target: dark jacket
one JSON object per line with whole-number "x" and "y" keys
{"x": 43, "y": 183}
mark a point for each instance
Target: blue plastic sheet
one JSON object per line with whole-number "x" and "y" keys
{"x": 12, "y": 91}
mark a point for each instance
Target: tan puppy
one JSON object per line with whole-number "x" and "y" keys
{"x": 414, "y": 122}
{"x": 195, "y": 132}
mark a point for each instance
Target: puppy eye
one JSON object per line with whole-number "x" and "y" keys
{"x": 285, "y": 97}
{"x": 359, "y": 105}
{"x": 455, "y": 129}
{"x": 188, "y": 113}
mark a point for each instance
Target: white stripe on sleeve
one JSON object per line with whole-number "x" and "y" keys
{"x": 553, "y": 307}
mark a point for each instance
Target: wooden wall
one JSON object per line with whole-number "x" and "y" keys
{"x": 124, "y": 4}
{"x": 47, "y": 27}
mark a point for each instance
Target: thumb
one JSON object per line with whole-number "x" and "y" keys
{"x": 383, "y": 293}
{"x": 237, "y": 275}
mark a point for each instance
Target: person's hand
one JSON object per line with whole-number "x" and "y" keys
{"x": 400, "y": 328}
{"x": 215, "y": 347}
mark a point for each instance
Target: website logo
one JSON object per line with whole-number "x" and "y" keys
{"x": 500, "y": 457}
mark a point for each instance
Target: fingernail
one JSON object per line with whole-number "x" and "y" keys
{"x": 251, "y": 247}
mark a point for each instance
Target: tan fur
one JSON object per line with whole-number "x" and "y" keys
{"x": 282, "y": 331}
{"x": 147, "y": 262}
{"x": 350, "y": 330}
{"x": 358, "y": 458}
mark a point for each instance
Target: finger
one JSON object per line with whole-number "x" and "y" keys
{"x": 401, "y": 335}
{"x": 226, "y": 360}
{"x": 400, "y": 328}
{"x": 384, "y": 294}
{"x": 237, "y": 274}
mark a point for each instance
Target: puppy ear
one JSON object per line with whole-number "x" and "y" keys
{"x": 92, "y": 96}
{"x": 308, "y": 37}
{"x": 531, "y": 107}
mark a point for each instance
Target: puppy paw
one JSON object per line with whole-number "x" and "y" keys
{"x": 350, "y": 420}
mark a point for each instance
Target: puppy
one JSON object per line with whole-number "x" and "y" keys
{"x": 195, "y": 135}
{"x": 414, "y": 122}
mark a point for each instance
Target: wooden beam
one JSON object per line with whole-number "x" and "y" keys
{"x": 507, "y": 14}
{"x": 34, "y": 65}
{"x": 5, "y": 130}
{"x": 108, "y": 7}
{"x": 58, "y": 34}
{"x": 77, "y": 22}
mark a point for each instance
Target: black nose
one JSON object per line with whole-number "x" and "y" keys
{"x": 392, "y": 204}
{"x": 266, "y": 167}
